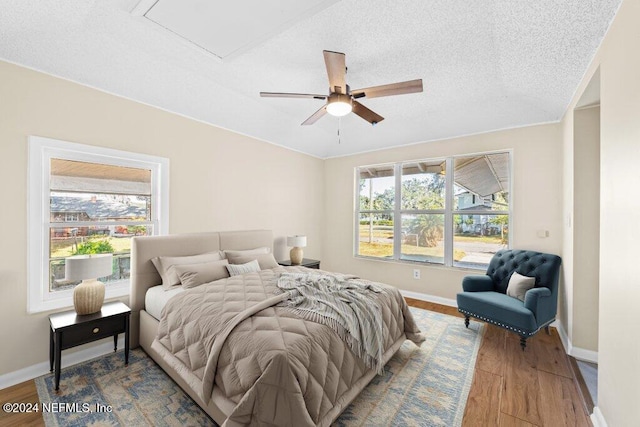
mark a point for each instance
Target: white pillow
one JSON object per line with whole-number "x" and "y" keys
{"x": 237, "y": 269}
{"x": 265, "y": 261}
{"x": 164, "y": 265}
{"x": 248, "y": 252}
{"x": 192, "y": 275}
{"x": 519, "y": 285}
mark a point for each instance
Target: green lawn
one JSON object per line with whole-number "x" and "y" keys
{"x": 381, "y": 250}
{"x": 65, "y": 247}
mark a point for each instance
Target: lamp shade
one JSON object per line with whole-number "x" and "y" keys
{"x": 297, "y": 241}
{"x": 83, "y": 267}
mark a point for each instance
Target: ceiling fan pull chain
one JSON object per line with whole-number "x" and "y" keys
{"x": 339, "y": 123}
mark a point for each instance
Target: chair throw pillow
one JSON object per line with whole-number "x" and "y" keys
{"x": 519, "y": 285}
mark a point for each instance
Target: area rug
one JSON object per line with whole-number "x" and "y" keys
{"x": 421, "y": 386}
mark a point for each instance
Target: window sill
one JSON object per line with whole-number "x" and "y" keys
{"x": 65, "y": 299}
{"x": 423, "y": 264}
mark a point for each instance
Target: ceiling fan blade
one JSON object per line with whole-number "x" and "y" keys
{"x": 291, "y": 95}
{"x": 366, "y": 113}
{"x": 336, "y": 70}
{"x": 315, "y": 116}
{"x": 410, "y": 86}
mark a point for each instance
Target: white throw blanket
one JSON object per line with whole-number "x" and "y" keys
{"x": 345, "y": 305}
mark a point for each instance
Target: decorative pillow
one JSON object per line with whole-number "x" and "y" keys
{"x": 264, "y": 260}
{"x": 519, "y": 285}
{"x": 164, "y": 265}
{"x": 247, "y": 252}
{"x": 237, "y": 269}
{"x": 192, "y": 275}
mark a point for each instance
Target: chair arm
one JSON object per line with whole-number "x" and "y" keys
{"x": 477, "y": 283}
{"x": 539, "y": 301}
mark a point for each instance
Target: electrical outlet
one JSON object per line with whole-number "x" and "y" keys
{"x": 416, "y": 273}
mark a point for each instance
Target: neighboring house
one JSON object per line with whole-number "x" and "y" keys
{"x": 77, "y": 209}
{"x": 476, "y": 223}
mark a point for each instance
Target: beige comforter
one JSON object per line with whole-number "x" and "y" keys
{"x": 278, "y": 368}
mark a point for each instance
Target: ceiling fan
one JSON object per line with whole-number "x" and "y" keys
{"x": 341, "y": 99}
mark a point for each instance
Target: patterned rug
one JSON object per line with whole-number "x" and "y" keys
{"x": 421, "y": 386}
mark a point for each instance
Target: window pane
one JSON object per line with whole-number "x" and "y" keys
{"x": 476, "y": 238}
{"x": 68, "y": 241}
{"x": 423, "y": 185}
{"x": 68, "y": 207}
{"x": 423, "y": 238}
{"x": 375, "y": 237}
{"x": 482, "y": 182}
{"x": 377, "y": 188}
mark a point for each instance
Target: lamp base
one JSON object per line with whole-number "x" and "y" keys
{"x": 88, "y": 296}
{"x": 296, "y": 256}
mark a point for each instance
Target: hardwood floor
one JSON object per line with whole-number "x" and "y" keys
{"x": 26, "y": 393}
{"x": 510, "y": 387}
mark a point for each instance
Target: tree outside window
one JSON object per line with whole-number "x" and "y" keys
{"x": 452, "y": 211}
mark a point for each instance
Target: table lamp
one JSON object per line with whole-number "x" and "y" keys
{"x": 298, "y": 242}
{"x": 88, "y": 296}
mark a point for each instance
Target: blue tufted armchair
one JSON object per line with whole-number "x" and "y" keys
{"x": 485, "y": 297}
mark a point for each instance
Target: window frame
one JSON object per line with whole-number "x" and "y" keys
{"x": 41, "y": 151}
{"x": 449, "y": 211}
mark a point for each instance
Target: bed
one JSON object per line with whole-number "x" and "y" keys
{"x": 302, "y": 373}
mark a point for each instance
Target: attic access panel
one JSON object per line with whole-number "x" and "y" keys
{"x": 225, "y": 29}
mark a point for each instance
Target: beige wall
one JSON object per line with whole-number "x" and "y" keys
{"x": 219, "y": 180}
{"x": 586, "y": 225}
{"x": 537, "y": 203}
{"x": 618, "y": 346}
{"x": 619, "y": 372}
{"x": 581, "y": 219}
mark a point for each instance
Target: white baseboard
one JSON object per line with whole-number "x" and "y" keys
{"x": 584, "y": 354}
{"x": 39, "y": 369}
{"x": 429, "y": 298}
{"x": 597, "y": 418}
{"x": 577, "y": 352}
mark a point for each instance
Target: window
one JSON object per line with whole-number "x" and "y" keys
{"x": 84, "y": 200}
{"x": 452, "y": 211}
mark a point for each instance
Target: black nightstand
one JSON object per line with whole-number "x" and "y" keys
{"x": 306, "y": 262}
{"x": 68, "y": 329}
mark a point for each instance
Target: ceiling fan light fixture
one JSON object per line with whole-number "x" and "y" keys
{"x": 339, "y": 105}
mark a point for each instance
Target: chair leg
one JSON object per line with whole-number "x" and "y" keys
{"x": 466, "y": 321}
{"x": 546, "y": 329}
{"x": 523, "y": 342}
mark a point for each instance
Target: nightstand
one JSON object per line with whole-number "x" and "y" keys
{"x": 68, "y": 329}
{"x": 306, "y": 262}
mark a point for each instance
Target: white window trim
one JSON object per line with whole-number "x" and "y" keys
{"x": 41, "y": 150}
{"x": 448, "y": 212}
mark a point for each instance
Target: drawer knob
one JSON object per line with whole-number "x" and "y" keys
{"x": 96, "y": 330}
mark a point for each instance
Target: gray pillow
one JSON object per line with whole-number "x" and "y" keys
{"x": 246, "y": 252}
{"x": 264, "y": 260}
{"x": 192, "y": 275}
{"x": 165, "y": 266}
{"x": 237, "y": 269}
{"x": 519, "y": 285}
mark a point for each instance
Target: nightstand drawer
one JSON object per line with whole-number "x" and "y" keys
{"x": 91, "y": 331}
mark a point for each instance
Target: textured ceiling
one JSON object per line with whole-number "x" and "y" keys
{"x": 485, "y": 65}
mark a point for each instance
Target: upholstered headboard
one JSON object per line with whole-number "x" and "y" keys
{"x": 144, "y": 275}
